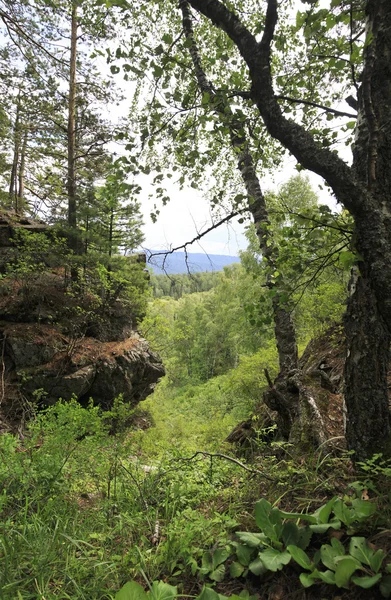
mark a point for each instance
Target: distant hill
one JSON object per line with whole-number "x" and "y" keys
{"x": 196, "y": 263}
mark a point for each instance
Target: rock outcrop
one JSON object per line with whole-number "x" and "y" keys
{"x": 59, "y": 340}
{"x": 318, "y": 385}
{"x": 39, "y": 365}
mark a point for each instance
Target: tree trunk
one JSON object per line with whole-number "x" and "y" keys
{"x": 278, "y": 398}
{"x": 19, "y": 206}
{"x": 368, "y": 318}
{"x": 366, "y": 367}
{"x": 13, "y": 187}
{"x": 71, "y": 178}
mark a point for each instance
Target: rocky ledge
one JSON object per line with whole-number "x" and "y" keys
{"x": 40, "y": 365}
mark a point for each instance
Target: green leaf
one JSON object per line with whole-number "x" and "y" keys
{"x": 157, "y": 71}
{"x": 131, "y": 591}
{"x": 236, "y": 569}
{"x": 268, "y": 519}
{"x": 167, "y": 38}
{"x": 336, "y": 544}
{"x": 359, "y": 549}
{"x": 323, "y": 527}
{"x": 219, "y": 556}
{"x": 308, "y": 579}
{"x": 366, "y": 582}
{"x": 254, "y": 540}
{"x": 385, "y": 586}
{"x": 343, "y": 513}
{"x": 162, "y": 591}
{"x": 300, "y": 557}
{"x": 377, "y": 560}
{"x": 244, "y": 554}
{"x": 328, "y": 554}
{"x": 323, "y": 513}
{"x": 290, "y": 534}
{"x": 345, "y": 569}
{"x": 257, "y": 567}
{"x": 207, "y": 563}
{"x": 274, "y": 560}
{"x": 218, "y": 573}
{"x": 363, "y": 508}
{"x": 305, "y": 535}
{"x": 208, "y": 594}
{"x": 327, "y": 577}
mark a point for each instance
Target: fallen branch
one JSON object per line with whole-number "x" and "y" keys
{"x": 229, "y": 458}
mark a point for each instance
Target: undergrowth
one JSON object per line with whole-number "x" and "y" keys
{"x": 83, "y": 510}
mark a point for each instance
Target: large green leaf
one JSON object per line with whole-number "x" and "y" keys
{"x": 131, "y": 591}
{"x": 328, "y": 554}
{"x": 323, "y": 513}
{"x": 274, "y": 560}
{"x": 244, "y": 554}
{"x": 209, "y": 594}
{"x": 302, "y": 516}
{"x": 323, "y": 527}
{"x": 163, "y": 591}
{"x": 327, "y": 577}
{"x": 290, "y": 534}
{"x": 219, "y": 556}
{"x": 257, "y": 567}
{"x": 336, "y": 544}
{"x": 254, "y": 540}
{"x": 363, "y": 508}
{"x": 308, "y": 579}
{"x": 218, "y": 573}
{"x": 345, "y": 569}
{"x": 305, "y": 535}
{"x": 366, "y": 582}
{"x": 300, "y": 557}
{"x": 236, "y": 569}
{"x": 206, "y": 563}
{"x": 343, "y": 513}
{"x": 359, "y": 549}
{"x": 268, "y": 519}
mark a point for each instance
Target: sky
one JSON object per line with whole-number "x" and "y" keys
{"x": 188, "y": 213}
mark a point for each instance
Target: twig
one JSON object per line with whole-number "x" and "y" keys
{"x": 136, "y": 483}
{"x": 229, "y": 458}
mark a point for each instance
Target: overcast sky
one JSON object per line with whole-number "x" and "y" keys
{"x": 188, "y": 214}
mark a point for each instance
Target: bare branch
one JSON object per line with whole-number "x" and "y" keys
{"x": 199, "y": 236}
{"x": 333, "y": 111}
{"x": 230, "y": 459}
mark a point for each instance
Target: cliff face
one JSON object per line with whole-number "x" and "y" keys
{"x": 40, "y": 365}
{"x": 61, "y": 343}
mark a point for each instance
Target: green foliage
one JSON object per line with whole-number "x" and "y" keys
{"x": 177, "y": 286}
{"x": 79, "y": 508}
{"x": 282, "y": 539}
{"x": 38, "y": 276}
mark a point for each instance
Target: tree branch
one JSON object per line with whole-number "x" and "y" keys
{"x": 230, "y": 459}
{"x": 199, "y": 236}
{"x": 291, "y": 135}
{"x": 333, "y": 111}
